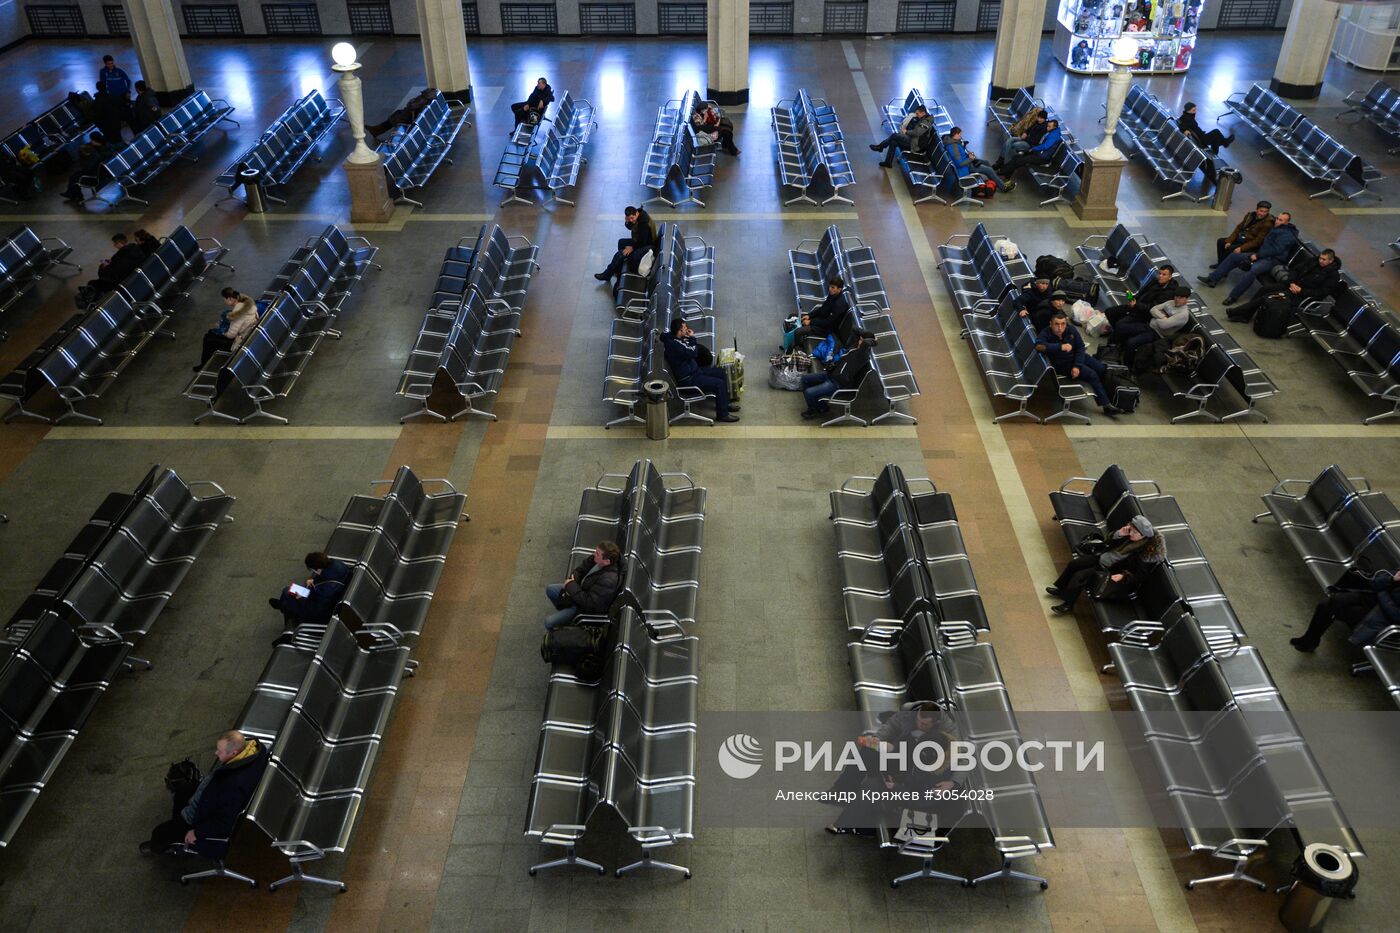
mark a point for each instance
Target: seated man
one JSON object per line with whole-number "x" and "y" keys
{"x": 631, "y": 249}
{"x": 1046, "y": 308}
{"x": 1157, "y": 290}
{"x": 125, "y": 259}
{"x": 1064, "y": 348}
{"x": 915, "y": 135}
{"x": 1317, "y": 279}
{"x": 1368, "y": 605}
{"x": 681, "y": 352}
{"x": 324, "y": 589}
{"x": 1025, "y": 133}
{"x": 590, "y": 589}
{"x": 203, "y": 817}
{"x": 1248, "y": 234}
{"x": 845, "y": 371}
{"x": 405, "y": 115}
{"x": 1133, "y": 332}
{"x": 1278, "y": 246}
{"x": 91, "y": 154}
{"x": 532, "y": 108}
{"x": 965, "y": 161}
{"x": 825, "y": 318}
{"x": 1039, "y": 154}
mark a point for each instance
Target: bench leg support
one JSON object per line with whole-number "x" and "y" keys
{"x": 1238, "y": 874}
{"x": 927, "y": 871}
{"x": 299, "y": 875}
{"x": 1006, "y": 871}
{"x": 570, "y": 858}
{"x": 646, "y": 861}
{"x": 218, "y": 872}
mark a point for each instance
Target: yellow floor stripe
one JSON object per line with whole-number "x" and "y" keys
{"x": 1122, "y": 431}
{"x": 214, "y": 432}
{"x": 76, "y": 216}
{"x": 1169, "y": 909}
{"x": 734, "y": 432}
{"x": 700, "y": 215}
{"x": 1375, "y": 211}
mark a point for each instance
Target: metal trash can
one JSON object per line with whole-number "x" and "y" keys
{"x": 251, "y": 179}
{"x": 658, "y": 414}
{"x": 1225, "y": 181}
{"x": 1322, "y": 874}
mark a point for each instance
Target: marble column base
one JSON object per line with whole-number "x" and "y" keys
{"x": 727, "y": 98}
{"x": 169, "y": 99}
{"x": 370, "y": 201}
{"x": 1098, "y": 190}
{"x": 1295, "y": 91}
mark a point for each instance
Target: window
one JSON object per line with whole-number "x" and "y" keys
{"x": 1247, "y": 14}
{"x": 529, "y": 19}
{"x": 615, "y": 19}
{"x": 115, "y": 17}
{"x": 681, "y": 19}
{"x": 291, "y": 19}
{"x": 925, "y": 15}
{"x": 212, "y": 19}
{"x": 770, "y": 18}
{"x": 988, "y": 15}
{"x": 53, "y": 20}
{"x": 844, "y": 16}
{"x": 370, "y": 18}
{"x": 471, "y": 19}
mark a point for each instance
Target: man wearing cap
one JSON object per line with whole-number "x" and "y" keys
{"x": 1248, "y": 234}
{"x": 1129, "y": 554}
{"x": 847, "y": 371}
{"x": 1063, "y": 346}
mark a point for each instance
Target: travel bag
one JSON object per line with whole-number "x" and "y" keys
{"x": 732, "y": 362}
{"x": 1272, "y": 320}
{"x": 582, "y": 647}
{"x": 1123, "y": 394}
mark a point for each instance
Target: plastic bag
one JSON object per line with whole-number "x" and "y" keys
{"x": 783, "y": 374}
{"x": 1081, "y": 312}
{"x": 1008, "y": 249}
{"x": 1097, "y": 325}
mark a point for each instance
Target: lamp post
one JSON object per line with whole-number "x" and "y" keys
{"x": 369, "y": 191}
{"x": 1122, "y": 55}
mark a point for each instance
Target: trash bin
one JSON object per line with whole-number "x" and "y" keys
{"x": 1322, "y": 874}
{"x": 251, "y": 179}
{"x": 658, "y": 415}
{"x": 1225, "y": 181}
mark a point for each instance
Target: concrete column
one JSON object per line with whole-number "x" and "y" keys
{"x": 1312, "y": 25}
{"x": 156, "y": 36}
{"x": 444, "y": 40}
{"x": 728, "y": 36}
{"x": 1018, "y": 47}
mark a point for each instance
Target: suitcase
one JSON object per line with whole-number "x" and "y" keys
{"x": 731, "y": 361}
{"x": 1273, "y": 319}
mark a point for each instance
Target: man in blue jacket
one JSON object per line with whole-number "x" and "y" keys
{"x": 112, "y": 80}
{"x": 326, "y": 584}
{"x": 1370, "y": 605}
{"x": 965, "y": 161}
{"x": 1039, "y": 154}
{"x": 204, "y": 820}
{"x": 681, "y": 356}
{"x": 1277, "y": 247}
{"x": 1063, "y": 346}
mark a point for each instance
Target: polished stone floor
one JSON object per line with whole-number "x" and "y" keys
{"x": 439, "y": 842}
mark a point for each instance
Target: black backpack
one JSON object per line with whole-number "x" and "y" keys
{"x": 1053, "y": 268}
{"x": 1272, "y": 320}
{"x": 582, "y": 647}
{"x": 183, "y": 778}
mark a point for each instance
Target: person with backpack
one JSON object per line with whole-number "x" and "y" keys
{"x": 915, "y": 135}
{"x": 205, "y": 813}
{"x": 532, "y": 109}
{"x": 1317, "y": 278}
{"x": 846, "y": 371}
{"x": 590, "y": 589}
{"x": 1278, "y": 246}
{"x": 1133, "y": 332}
{"x": 1063, "y": 347}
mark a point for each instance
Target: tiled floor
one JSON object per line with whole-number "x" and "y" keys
{"x": 439, "y": 842}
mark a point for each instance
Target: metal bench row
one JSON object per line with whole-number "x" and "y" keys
{"x": 302, "y": 305}
{"x": 412, "y": 155}
{"x": 810, "y": 146}
{"x": 925, "y": 170}
{"x": 1134, "y": 260}
{"x": 626, "y": 743}
{"x": 286, "y": 144}
{"x": 81, "y": 359}
{"x": 1301, "y": 141}
{"x": 72, "y": 635}
{"x": 25, "y": 259}
{"x": 914, "y": 613}
{"x": 1338, "y": 525}
{"x": 547, "y": 158}
{"x": 676, "y": 161}
{"x": 49, "y": 132}
{"x": 157, "y": 148}
{"x": 465, "y": 340}
{"x": 1231, "y": 760}
{"x": 1148, "y": 128}
{"x": 1379, "y": 106}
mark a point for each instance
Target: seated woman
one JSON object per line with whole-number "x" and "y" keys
{"x": 236, "y": 322}
{"x": 1129, "y": 553}
{"x": 715, "y": 128}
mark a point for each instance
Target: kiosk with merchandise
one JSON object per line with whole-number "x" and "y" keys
{"x": 1164, "y": 29}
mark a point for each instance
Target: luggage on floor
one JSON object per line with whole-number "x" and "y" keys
{"x": 1098, "y": 326}
{"x": 1123, "y": 393}
{"x": 784, "y": 373}
{"x": 732, "y": 362}
{"x": 1078, "y": 289}
{"x": 1053, "y": 267}
{"x": 1273, "y": 319}
{"x": 1080, "y": 312}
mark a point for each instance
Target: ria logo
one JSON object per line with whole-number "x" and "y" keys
{"x": 741, "y": 756}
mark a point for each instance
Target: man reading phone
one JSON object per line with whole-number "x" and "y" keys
{"x": 315, "y": 601}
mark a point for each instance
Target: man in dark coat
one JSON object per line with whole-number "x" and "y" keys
{"x": 1370, "y": 605}
{"x": 327, "y": 583}
{"x": 145, "y": 110}
{"x": 540, "y": 97}
{"x": 826, "y": 317}
{"x": 590, "y": 589}
{"x": 847, "y": 372}
{"x": 1317, "y": 278}
{"x": 1248, "y": 234}
{"x": 124, "y": 261}
{"x": 631, "y": 249}
{"x": 1278, "y": 247}
{"x": 1063, "y": 347}
{"x": 205, "y": 818}
{"x": 1158, "y": 289}
{"x": 682, "y": 357}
